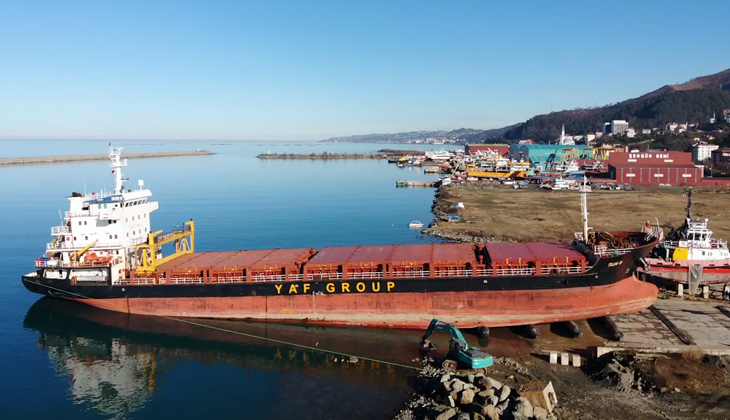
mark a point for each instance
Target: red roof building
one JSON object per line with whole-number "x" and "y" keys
{"x": 471, "y": 149}
{"x": 654, "y": 168}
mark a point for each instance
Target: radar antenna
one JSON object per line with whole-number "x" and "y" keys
{"x": 688, "y": 193}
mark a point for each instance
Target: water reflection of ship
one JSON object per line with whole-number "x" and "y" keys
{"x": 113, "y": 359}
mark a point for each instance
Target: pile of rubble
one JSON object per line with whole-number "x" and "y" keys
{"x": 468, "y": 396}
{"x": 620, "y": 370}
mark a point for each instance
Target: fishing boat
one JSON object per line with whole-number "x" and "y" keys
{"x": 415, "y": 225}
{"x": 469, "y": 285}
{"x": 689, "y": 253}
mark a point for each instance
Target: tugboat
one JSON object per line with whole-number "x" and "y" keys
{"x": 690, "y": 254}
{"x": 106, "y": 255}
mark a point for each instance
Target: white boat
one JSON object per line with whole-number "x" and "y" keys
{"x": 415, "y": 225}
{"x": 439, "y": 155}
{"x": 560, "y": 184}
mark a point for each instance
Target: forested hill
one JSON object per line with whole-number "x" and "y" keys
{"x": 688, "y": 102}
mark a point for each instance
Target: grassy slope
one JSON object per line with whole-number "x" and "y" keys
{"x": 541, "y": 215}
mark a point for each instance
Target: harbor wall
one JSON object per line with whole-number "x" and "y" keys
{"x": 82, "y": 158}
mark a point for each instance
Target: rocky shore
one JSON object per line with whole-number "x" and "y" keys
{"x": 82, "y": 158}
{"x": 443, "y": 395}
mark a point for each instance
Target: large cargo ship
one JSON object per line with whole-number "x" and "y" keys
{"x": 106, "y": 255}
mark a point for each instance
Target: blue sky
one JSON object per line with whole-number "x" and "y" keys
{"x": 300, "y": 70}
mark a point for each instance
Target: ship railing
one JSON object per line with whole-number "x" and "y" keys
{"x": 56, "y": 230}
{"x": 139, "y": 280}
{"x": 276, "y": 277}
{"x": 181, "y": 280}
{"x": 612, "y": 252}
{"x": 563, "y": 270}
{"x": 411, "y": 274}
{"x": 514, "y": 271}
{"x": 72, "y": 264}
{"x": 454, "y": 273}
{"x": 711, "y": 244}
{"x": 59, "y": 245}
{"x": 324, "y": 276}
{"x": 365, "y": 275}
{"x": 232, "y": 279}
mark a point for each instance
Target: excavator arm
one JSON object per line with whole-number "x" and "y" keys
{"x": 459, "y": 350}
{"x": 438, "y": 325}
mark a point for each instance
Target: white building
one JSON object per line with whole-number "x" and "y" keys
{"x": 671, "y": 127}
{"x": 711, "y": 120}
{"x": 565, "y": 140}
{"x": 703, "y": 151}
{"x": 646, "y": 131}
{"x": 630, "y": 133}
{"x": 615, "y": 127}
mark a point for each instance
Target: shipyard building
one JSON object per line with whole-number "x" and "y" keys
{"x": 654, "y": 168}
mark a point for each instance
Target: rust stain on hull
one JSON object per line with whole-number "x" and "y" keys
{"x": 406, "y": 310}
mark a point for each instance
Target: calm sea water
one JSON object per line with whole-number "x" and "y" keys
{"x": 64, "y": 360}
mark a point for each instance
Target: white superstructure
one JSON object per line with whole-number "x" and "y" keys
{"x": 101, "y": 228}
{"x": 439, "y": 155}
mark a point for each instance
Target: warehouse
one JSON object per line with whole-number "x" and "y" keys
{"x": 472, "y": 149}
{"x": 654, "y": 168}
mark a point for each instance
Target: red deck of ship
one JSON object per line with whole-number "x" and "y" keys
{"x": 532, "y": 254}
{"x": 393, "y": 259}
{"x": 237, "y": 263}
{"x": 424, "y": 260}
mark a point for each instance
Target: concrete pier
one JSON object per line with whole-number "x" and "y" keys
{"x": 426, "y": 184}
{"x": 82, "y": 158}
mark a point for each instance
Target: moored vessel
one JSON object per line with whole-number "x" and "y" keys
{"x": 106, "y": 255}
{"x": 690, "y": 255}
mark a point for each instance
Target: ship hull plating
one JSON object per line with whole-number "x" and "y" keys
{"x": 609, "y": 288}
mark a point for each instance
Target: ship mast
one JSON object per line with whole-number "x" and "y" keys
{"x": 584, "y": 189}
{"x": 115, "y": 154}
{"x": 689, "y": 202}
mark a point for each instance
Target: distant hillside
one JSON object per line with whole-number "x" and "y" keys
{"x": 717, "y": 81}
{"x": 461, "y": 135}
{"x": 687, "y": 102}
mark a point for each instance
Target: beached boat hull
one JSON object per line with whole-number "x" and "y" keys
{"x": 405, "y": 310}
{"x": 608, "y": 288}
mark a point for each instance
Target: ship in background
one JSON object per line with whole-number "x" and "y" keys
{"x": 106, "y": 255}
{"x": 690, "y": 255}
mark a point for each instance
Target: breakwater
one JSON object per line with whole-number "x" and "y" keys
{"x": 325, "y": 156}
{"x": 381, "y": 154}
{"x": 82, "y": 158}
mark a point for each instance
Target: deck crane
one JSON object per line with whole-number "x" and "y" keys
{"x": 459, "y": 351}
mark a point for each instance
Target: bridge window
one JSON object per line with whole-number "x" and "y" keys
{"x": 115, "y": 236}
{"x": 86, "y": 238}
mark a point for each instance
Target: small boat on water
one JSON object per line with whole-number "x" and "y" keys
{"x": 415, "y": 225}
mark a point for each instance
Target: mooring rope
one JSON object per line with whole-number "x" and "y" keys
{"x": 213, "y": 327}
